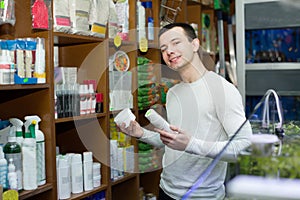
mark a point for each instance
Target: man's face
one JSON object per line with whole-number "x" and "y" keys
{"x": 177, "y": 51}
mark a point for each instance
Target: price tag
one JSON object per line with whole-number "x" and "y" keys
{"x": 143, "y": 44}
{"x": 117, "y": 41}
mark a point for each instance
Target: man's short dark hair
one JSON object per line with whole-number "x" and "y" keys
{"x": 188, "y": 29}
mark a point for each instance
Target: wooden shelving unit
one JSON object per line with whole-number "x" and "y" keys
{"x": 81, "y": 133}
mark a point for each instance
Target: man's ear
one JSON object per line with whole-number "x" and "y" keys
{"x": 196, "y": 44}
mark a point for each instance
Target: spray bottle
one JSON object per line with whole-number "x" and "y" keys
{"x": 19, "y": 133}
{"x": 40, "y": 150}
{"x": 12, "y": 150}
{"x": 29, "y": 156}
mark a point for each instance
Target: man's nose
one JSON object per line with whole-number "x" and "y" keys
{"x": 170, "y": 50}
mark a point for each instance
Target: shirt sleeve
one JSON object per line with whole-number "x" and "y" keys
{"x": 152, "y": 138}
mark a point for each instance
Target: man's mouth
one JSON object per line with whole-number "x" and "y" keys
{"x": 174, "y": 59}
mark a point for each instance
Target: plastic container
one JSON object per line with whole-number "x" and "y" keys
{"x": 76, "y": 174}
{"x": 29, "y": 157}
{"x": 40, "y": 150}
{"x": 12, "y": 175}
{"x": 125, "y": 116}
{"x": 141, "y": 23}
{"x": 63, "y": 177}
{"x": 3, "y": 170}
{"x": 99, "y": 103}
{"x": 150, "y": 20}
{"x": 13, "y": 151}
{"x": 158, "y": 121}
{"x": 88, "y": 170}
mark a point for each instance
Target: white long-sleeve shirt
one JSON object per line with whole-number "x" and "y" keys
{"x": 211, "y": 111}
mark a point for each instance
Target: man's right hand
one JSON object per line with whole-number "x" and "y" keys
{"x": 134, "y": 129}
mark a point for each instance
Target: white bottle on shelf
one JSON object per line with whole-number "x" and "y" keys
{"x": 88, "y": 171}
{"x": 92, "y": 101}
{"x": 76, "y": 174}
{"x": 13, "y": 150}
{"x": 29, "y": 157}
{"x": 40, "y": 150}
{"x": 141, "y": 23}
{"x": 3, "y": 170}
{"x": 12, "y": 176}
{"x": 63, "y": 177}
{"x": 83, "y": 99}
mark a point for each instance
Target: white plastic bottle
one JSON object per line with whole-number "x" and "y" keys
{"x": 157, "y": 120}
{"x": 12, "y": 150}
{"x": 39, "y": 68}
{"x": 40, "y": 151}
{"x": 29, "y": 156}
{"x": 63, "y": 176}
{"x": 83, "y": 99}
{"x": 19, "y": 132}
{"x": 88, "y": 171}
{"x": 3, "y": 170}
{"x": 141, "y": 23}
{"x": 92, "y": 102}
{"x": 12, "y": 176}
{"x": 76, "y": 174}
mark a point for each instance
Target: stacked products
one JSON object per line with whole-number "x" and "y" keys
{"x": 22, "y": 156}
{"x": 147, "y": 87}
{"x": 149, "y": 157}
{"x": 121, "y": 153}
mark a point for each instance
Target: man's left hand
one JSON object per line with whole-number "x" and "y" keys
{"x": 177, "y": 140}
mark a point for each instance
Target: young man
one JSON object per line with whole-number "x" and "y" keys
{"x": 204, "y": 111}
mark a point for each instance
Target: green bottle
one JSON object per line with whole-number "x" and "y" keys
{"x": 12, "y": 150}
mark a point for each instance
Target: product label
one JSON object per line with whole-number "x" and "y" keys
{"x": 40, "y": 155}
{"x": 143, "y": 44}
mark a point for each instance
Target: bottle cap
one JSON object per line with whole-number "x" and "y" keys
{"x": 87, "y": 156}
{"x": 148, "y": 4}
{"x": 99, "y": 97}
{"x": 76, "y": 158}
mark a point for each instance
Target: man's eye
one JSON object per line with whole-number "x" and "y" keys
{"x": 163, "y": 50}
{"x": 176, "y": 42}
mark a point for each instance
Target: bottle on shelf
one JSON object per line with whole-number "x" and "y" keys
{"x": 99, "y": 103}
{"x": 88, "y": 171}
{"x": 19, "y": 132}
{"x": 12, "y": 175}
{"x": 92, "y": 103}
{"x": 141, "y": 22}
{"x": 12, "y": 150}
{"x": 76, "y": 174}
{"x": 150, "y": 20}
{"x": 3, "y": 170}
{"x": 29, "y": 156}
{"x": 40, "y": 150}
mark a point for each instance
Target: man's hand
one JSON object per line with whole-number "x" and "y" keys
{"x": 134, "y": 129}
{"x": 177, "y": 141}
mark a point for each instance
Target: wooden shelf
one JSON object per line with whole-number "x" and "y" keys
{"x": 88, "y": 193}
{"x": 77, "y": 118}
{"x": 65, "y": 39}
{"x": 25, "y": 194}
{"x": 126, "y": 177}
{"x": 24, "y": 87}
